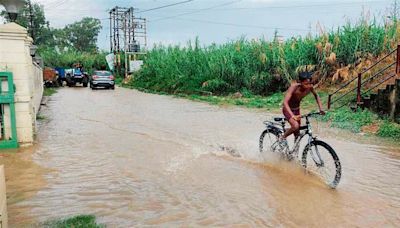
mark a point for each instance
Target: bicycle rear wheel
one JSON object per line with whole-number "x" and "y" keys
{"x": 320, "y": 159}
{"x": 268, "y": 141}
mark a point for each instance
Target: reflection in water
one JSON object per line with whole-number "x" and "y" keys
{"x": 136, "y": 159}
{"x": 24, "y": 178}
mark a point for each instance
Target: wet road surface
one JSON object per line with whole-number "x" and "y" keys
{"x": 136, "y": 159}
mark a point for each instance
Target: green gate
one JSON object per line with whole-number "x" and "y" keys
{"x": 8, "y": 124}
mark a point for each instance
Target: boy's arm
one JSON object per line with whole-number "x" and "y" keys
{"x": 317, "y": 99}
{"x": 288, "y": 95}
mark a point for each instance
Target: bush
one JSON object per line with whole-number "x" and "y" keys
{"x": 347, "y": 119}
{"x": 390, "y": 130}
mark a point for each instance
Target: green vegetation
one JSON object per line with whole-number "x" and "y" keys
{"x": 355, "y": 121}
{"x": 81, "y": 35}
{"x": 40, "y": 117}
{"x": 87, "y": 221}
{"x": 40, "y": 24}
{"x": 49, "y": 91}
{"x": 389, "y": 129}
{"x": 347, "y": 119}
{"x": 259, "y": 66}
{"x": 272, "y": 102}
{"x": 62, "y": 47}
{"x": 66, "y": 59}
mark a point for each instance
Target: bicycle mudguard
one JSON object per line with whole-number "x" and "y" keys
{"x": 274, "y": 129}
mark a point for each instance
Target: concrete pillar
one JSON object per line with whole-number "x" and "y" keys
{"x": 380, "y": 101}
{"x": 396, "y": 115}
{"x": 373, "y": 104}
{"x": 3, "y": 199}
{"x": 386, "y": 100}
{"x": 392, "y": 102}
{"x": 15, "y": 57}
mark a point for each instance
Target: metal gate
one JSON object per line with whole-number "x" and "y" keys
{"x": 8, "y": 124}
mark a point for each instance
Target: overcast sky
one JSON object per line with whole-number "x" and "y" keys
{"x": 220, "y": 20}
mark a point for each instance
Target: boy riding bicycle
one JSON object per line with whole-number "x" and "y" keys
{"x": 291, "y": 104}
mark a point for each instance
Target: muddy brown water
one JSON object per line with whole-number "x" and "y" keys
{"x": 135, "y": 159}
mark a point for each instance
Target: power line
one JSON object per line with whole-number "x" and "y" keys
{"x": 147, "y": 10}
{"x": 50, "y": 3}
{"x": 239, "y": 25}
{"x": 222, "y": 9}
{"x": 243, "y": 25}
{"x": 302, "y": 6}
{"x": 59, "y": 3}
{"x": 165, "y": 6}
{"x": 79, "y": 10}
{"x": 200, "y": 10}
{"x": 55, "y": 3}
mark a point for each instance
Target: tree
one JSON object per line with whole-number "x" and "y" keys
{"x": 41, "y": 29}
{"x": 81, "y": 35}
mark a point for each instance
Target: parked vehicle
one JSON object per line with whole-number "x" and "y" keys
{"x": 50, "y": 77}
{"x": 102, "y": 78}
{"x": 77, "y": 75}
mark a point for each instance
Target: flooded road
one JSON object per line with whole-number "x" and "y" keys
{"x": 135, "y": 159}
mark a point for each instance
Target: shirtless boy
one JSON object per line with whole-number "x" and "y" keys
{"x": 291, "y": 104}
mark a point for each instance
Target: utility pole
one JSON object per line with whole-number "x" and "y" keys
{"x": 128, "y": 30}
{"x": 31, "y": 20}
{"x": 116, "y": 30}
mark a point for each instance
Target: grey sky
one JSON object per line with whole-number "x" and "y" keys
{"x": 220, "y": 20}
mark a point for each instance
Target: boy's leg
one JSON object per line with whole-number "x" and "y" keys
{"x": 295, "y": 126}
{"x": 297, "y": 133}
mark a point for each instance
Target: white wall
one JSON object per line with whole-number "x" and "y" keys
{"x": 28, "y": 78}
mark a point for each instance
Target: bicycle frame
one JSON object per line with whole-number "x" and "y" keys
{"x": 307, "y": 130}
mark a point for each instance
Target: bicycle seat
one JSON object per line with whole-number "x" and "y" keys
{"x": 279, "y": 119}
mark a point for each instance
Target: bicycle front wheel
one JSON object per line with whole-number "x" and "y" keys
{"x": 320, "y": 159}
{"x": 268, "y": 141}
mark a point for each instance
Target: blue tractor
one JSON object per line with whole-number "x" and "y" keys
{"x": 76, "y": 75}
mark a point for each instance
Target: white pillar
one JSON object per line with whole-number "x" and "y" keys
{"x": 15, "y": 57}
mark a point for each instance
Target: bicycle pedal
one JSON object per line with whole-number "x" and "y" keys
{"x": 289, "y": 156}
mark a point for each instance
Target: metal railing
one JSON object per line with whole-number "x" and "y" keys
{"x": 8, "y": 134}
{"x": 361, "y": 83}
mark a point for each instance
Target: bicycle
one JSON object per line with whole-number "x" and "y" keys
{"x": 269, "y": 139}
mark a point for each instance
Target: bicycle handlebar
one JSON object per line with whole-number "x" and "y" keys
{"x": 302, "y": 116}
{"x": 311, "y": 114}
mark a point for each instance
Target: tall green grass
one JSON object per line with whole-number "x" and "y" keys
{"x": 260, "y": 66}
